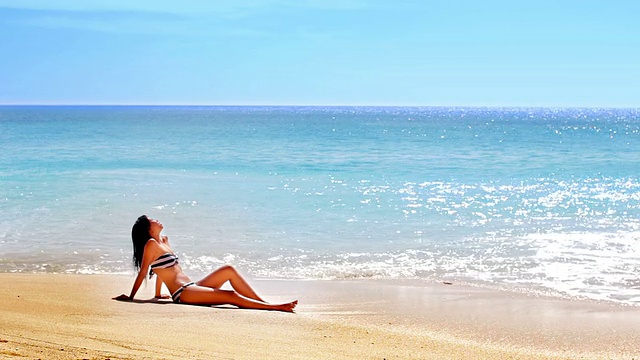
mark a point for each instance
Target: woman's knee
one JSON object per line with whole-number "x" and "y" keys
{"x": 228, "y": 268}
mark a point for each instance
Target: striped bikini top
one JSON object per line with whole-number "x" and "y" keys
{"x": 163, "y": 261}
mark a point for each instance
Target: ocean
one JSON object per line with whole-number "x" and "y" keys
{"x": 533, "y": 200}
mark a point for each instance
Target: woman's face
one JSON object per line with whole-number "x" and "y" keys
{"x": 155, "y": 225}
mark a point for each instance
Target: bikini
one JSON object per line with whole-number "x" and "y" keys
{"x": 176, "y": 295}
{"x": 164, "y": 261}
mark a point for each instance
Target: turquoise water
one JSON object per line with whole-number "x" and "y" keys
{"x": 534, "y": 200}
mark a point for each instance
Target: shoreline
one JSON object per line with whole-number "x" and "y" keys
{"x": 482, "y": 315}
{"x": 61, "y": 316}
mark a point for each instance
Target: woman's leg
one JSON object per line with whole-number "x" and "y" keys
{"x": 229, "y": 273}
{"x": 200, "y": 295}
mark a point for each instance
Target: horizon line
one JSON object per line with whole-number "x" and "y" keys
{"x": 324, "y": 105}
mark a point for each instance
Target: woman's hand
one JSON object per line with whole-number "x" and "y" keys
{"x": 122, "y": 297}
{"x": 163, "y": 296}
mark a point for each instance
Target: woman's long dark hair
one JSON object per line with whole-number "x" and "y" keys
{"x": 140, "y": 236}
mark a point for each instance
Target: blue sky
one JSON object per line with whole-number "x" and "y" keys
{"x": 556, "y": 53}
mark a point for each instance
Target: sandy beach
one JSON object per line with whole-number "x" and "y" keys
{"x": 73, "y": 317}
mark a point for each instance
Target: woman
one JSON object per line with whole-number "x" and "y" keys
{"x": 152, "y": 250}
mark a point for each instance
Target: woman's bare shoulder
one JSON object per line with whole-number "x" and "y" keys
{"x": 156, "y": 247}
{"x": 151, "y": 246}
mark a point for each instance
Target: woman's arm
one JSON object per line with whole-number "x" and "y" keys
{"x": 158, "y": 286}
{"x": 150, "y": 250}
{"x": 138, "y": 282}
{"x": 165, "y": 240}
{"x": 159, "y": 289}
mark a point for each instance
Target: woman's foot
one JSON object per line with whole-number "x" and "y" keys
{"x": 288, "y": 307}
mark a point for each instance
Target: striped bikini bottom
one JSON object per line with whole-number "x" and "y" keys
{"x": 176, "y": 295}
